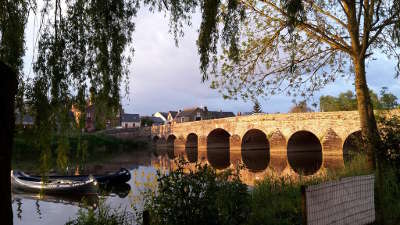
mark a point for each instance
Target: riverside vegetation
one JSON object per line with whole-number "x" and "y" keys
{"x": 80, "y": 149}
{"x": 206, "y": 196}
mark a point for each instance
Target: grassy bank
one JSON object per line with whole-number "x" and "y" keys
{"x": 80, "y": 149}
{"x": 213, "y": 198}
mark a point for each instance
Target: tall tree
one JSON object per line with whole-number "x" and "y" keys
{"x": 8, "y": 89}
{"x": 257, "y": 107}
{"x": 298, "y": 46}
{"x": 300, "y": 107}
{"x": 13, "y": 17}
{"x": 86, "y": 45}
{"x": 348, "y": 101}
{"x": 388, "y": 100}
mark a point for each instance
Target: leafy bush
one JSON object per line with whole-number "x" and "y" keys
{"x": 198, "y": 196}
{"x": 103, "y": 215}
{"x": 389, "y": 128}
{"x": 276, "y": 201}
{"x": 389, "y": 159}
{"x": 391, "y": 196}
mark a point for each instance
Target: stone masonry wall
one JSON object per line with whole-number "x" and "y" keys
{"x": 331, "y": 128}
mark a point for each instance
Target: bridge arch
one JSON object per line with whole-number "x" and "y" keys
{"x": 332, "y": 150}
{"x": 161, "y": 145}
{"x": 191, "y": 147}
{"x": 255, "y": 150}
{"x": 352, "y": 146}
{"x": 171, "y": 146}
{"x": 304, "y": 152}
{"x": 218, "y": 148}
{"x": 155, "y": 139}
{"x": 278, "y": 151}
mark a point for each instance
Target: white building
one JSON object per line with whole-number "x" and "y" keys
{"x": 130, "y": 120}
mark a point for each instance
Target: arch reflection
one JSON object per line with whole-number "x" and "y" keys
{"x": 255, "y": 150}
{"x": 218, "y": 148}
{"x": 304, "y": 152}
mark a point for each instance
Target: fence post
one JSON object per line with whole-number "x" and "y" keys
{"x": 146, "y": 217}
{"x": 304, "y": 204}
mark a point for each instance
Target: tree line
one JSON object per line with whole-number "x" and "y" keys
{"x": 347, "y": 101}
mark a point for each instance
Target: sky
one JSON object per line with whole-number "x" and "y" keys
{"x": 165, "y": 77}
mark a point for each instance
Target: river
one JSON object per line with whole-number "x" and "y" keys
{"x": 34, "y": 209}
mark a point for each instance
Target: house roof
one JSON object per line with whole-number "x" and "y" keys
{"x": 126, "y": 117}
{"x": 163, "y": 114}
{"x": 220, "y": 114}
{"x": 26, "y": 119}
{"x": 156, "y": 120}
{"x": 173, "y": 114}
{"x": 188, "y": 112}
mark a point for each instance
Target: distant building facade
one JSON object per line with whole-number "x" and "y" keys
{"x": 200, "y": 113}
{"x": 150, "y": 121}
{"x": 166, "y": 117}
{"x": 130, "y": 120}
{"x": 171, "y": 116}
{"x": 162, "y": 115}
{"x": 24, "y": 121}
{"x": 90, "y": 118}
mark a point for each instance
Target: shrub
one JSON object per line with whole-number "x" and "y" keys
{"x": 103, "y": 215}
{"x": 276, "y": 201}
{"x": 198, "y": 196}
{"x": 389, "y": 129}
{"x": 391, "y": 196}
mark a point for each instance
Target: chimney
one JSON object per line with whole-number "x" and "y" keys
{"x": 205, "y": 108}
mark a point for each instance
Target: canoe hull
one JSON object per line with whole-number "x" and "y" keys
{"x": 20, "y": 181}
{"x": 120, "y": 177}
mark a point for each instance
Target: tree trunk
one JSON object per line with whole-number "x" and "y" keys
{"x": 369, "y": 128}
{"x": 8, "y": 90}
{"x": 372, "y": 140}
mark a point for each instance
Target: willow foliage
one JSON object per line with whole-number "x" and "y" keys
{"x": 293, "y": 46}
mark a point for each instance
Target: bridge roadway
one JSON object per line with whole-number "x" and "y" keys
{"x": 295, "y": 142}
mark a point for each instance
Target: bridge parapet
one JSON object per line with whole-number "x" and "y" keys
{"x": 330, "y": 129}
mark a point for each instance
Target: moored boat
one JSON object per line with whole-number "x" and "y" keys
{"x": 27, "y": 183}
{"x": 119, "y": 177}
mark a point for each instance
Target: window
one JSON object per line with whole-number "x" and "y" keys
{"x": 198, "y": 116}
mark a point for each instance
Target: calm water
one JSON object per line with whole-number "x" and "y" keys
{"x": 32, "y": 209}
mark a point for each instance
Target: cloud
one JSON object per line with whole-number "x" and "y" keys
{"x": 165, "y": 77}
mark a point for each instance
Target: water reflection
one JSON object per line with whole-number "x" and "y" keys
{"x": 304, "y": 152}
{"x": 38, "y": 209}
{"x": 218, "y": 149}
{"x": 255, "y": 150}
{"x": 191, "y": 147}
{"x": 171, "y": 146}
{"x": 121, "y": 190}
{"x": 32, "y": 209}
{"x": 35, "y": 209}
{"x": 19, "y": 208}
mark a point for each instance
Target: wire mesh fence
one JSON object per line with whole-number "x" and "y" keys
{"x": 347, "y": 201}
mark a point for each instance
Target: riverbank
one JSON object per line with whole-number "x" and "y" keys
{"x": 93, "y": 149}
{"x": 208, "y": 195}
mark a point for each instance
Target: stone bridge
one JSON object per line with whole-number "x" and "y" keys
{"x": 297, "y": 142}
